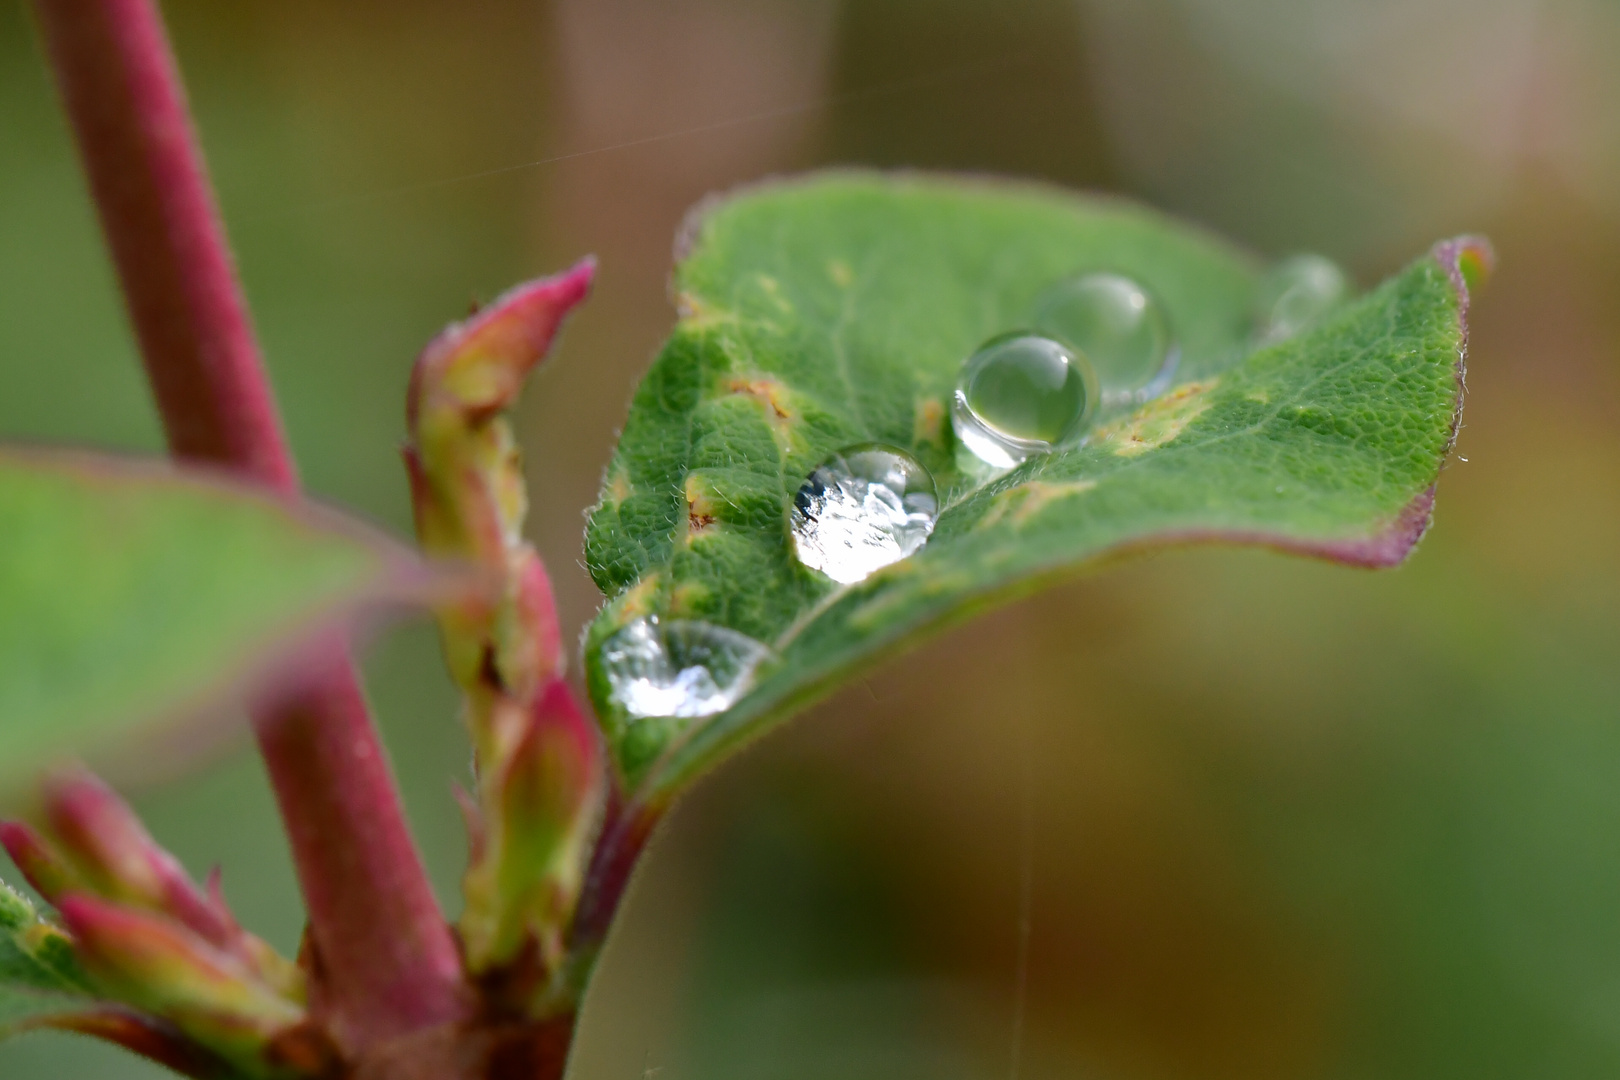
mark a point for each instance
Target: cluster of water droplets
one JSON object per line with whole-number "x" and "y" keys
{"x": 1095, "y": 344}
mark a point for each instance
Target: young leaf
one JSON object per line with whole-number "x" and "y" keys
{"x": 836, "y": 311}
{"x": 134, "y": 595}
{"x": 39, "y": 976}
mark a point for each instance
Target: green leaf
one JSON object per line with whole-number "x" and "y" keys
{"x": 838, "y": 310}
{"x": 134, "y": 595}
{"x": 39, "y": 976}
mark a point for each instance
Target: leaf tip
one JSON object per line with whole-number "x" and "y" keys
{"x": 1470, "y": 260}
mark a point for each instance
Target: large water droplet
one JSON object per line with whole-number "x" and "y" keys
{"x": 862, "y": 509}
{"x": 1296, "y": 293}
{"x": 1022, "y": 394}
{"x": 1116, "y": 324}
{"x": 676, "y": 667}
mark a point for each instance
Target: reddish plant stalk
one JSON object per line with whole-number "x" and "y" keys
{"x": 391, "y": 962}
{"x": 625, "y": 831}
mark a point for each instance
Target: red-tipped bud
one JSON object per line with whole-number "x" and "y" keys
{"x": 467, "y": 484}
{"x": 42, "y": 865}
{"x": 546, "y": 797}
{"x": 528, "y": 640}
{"x": 275, "y": 970}
{"x": 540, "y": 767}
{"x": 475, "y": 368}
{"x": 552, "y": 779}
{"x": 170, "y": 972}
{"x": 118, "y": 859}
{"x": 458, "y": 511}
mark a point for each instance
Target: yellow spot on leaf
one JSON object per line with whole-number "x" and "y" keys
{"x": 638, "y": 599}
{"x": 769, "y": 392}
{"x": 1158, "y": 422}
{"x": 885, "y": 603}
{"x": 777, "y": 402}
{"x": 619, "y": 486}
{"x": 685, "y": 599}
{"x": 929, "y": 426}
{"x": 697, "y": 312}
{"x": 773, "y": 289}
{"x": 1023, "y": 502}
{"x": 839, "y": 271}
{"x": 955, "y": 581}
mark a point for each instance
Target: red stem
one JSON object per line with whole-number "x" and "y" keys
{"x": 626, "y": 828}
{"x": 390, "y": 959}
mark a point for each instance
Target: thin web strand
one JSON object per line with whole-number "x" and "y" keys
{"x": 910, "y": 84}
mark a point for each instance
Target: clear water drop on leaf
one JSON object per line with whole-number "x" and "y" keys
{"x": 1297, "y": 292}
{"x": 678, "y": 667}
{"x": 1117, "y": 324}
{"x": 1022, "y": 394}
{"x": 862, "y": 509}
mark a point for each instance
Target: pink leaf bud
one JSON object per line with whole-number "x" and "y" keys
{"x": 475, "y": 368}
{"x": 42, "y": 865}
{"x": 119, "y": 860}
{"x": 467, "y": 485}
{"x": 169, "y": 971}
{"x": 546, "y": 797}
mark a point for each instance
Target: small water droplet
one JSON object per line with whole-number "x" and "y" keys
{"x": 862, "y": 509}
{"x": 1296, "y": 293}
{"x": 1022, "y": 394}
{"x": 678, "y": 667}
{"x": 1118, "y": 325}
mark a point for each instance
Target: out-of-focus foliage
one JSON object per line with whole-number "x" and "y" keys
{"x": 135, "y": 596}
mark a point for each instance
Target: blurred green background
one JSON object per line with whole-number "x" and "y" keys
{"x": 1261, "y": 817}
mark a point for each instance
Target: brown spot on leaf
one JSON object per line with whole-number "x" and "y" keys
{"x": 777, "y": 402}
{"x": 700, "y": 507}
{"x": 768, "y": 391}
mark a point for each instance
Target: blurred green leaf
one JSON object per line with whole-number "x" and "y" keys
{"x": 838, "y": 310}
{"x": 134, "y": 595}
{"x": 39, "y": 976}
